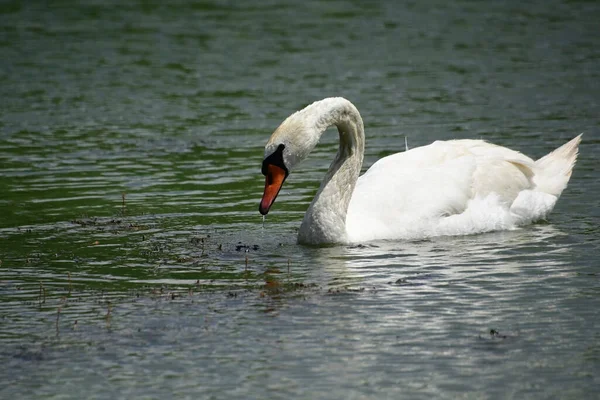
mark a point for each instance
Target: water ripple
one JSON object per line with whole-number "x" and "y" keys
{"x": 133, "y": 259}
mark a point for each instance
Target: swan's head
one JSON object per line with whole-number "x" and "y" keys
{"x": 288, "y": 145}
{"x": 275, "y": 172}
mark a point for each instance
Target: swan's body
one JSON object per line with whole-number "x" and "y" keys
{"x": 452, "y": 187}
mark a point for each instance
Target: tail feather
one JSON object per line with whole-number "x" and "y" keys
{"x": 554, "y": 170}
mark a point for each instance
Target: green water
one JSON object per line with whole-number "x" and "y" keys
{"x": 135, "y": 264}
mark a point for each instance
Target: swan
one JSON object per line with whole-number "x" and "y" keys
{"x": 453, "y": 187}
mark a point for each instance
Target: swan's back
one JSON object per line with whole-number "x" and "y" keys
{"x": 456, "y": 187}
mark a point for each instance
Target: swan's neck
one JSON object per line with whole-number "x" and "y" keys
{"x": 325, "y": 220}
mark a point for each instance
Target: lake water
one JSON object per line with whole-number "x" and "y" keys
{"x": 135, "y": 264}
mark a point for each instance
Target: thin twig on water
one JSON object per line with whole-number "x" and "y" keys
{"x": 42, "y": 294}
{"x": 108, "y": 315}
{"x": 57, "y": 318}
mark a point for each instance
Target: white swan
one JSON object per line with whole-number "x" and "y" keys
{"x": 451, "y": 187}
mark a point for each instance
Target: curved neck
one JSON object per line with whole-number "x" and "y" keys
{"x": 325, "y": 220}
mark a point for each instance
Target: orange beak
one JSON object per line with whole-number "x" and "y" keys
{"x": 274, "y": 180}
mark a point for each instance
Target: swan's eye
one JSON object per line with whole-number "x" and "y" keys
{"x": 276, "y": 158}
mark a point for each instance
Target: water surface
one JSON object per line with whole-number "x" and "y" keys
{"x": 134, "y": 262}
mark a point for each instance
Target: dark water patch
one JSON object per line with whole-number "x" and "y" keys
{"x": 178, "y": 67}
{"x": 10, "y": 7}
{"x": 226, "y": 94}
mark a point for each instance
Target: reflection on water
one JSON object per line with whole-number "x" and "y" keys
{"x": 134, "y": 263}
{"x": 492, "y": 250}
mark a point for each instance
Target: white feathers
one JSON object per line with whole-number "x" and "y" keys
{"x": 552, "y": 172}
{"x": 451, "y": 187}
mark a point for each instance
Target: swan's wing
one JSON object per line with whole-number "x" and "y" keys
{"x": 424, "y": 185}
